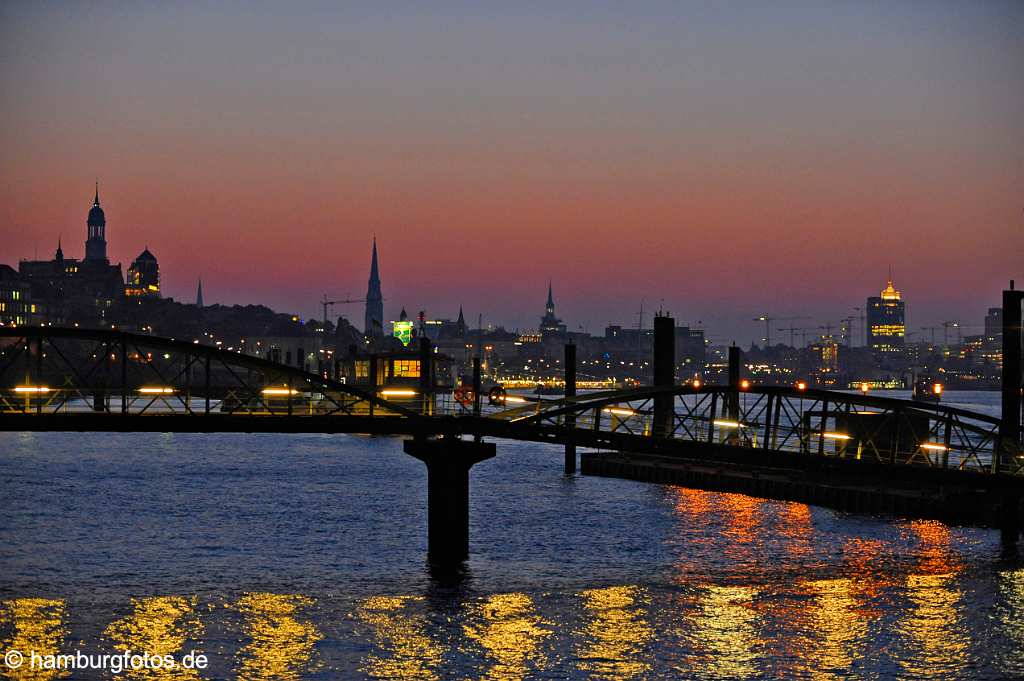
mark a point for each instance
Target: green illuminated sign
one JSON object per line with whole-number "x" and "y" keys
{"x": 402, "y": 331}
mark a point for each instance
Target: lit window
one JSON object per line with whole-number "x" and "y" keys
{"x": 406, "y": 368}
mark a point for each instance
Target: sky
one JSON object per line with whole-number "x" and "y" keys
{"x": 717, "y": 160}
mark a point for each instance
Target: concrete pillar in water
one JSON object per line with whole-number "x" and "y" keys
{"x": 664, "y": 373}
{"x": 570, "y": 392}
{"x": 1009, "y": 427}
{"x": 448, "y": 461}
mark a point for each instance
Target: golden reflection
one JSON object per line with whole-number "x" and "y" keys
{"x": 695, "y": 502}
{"x": 1011, "y": 591}
{"x": 744, "y": 516}
{"x": 282, "y": 644}
{"x": 794, "y": 525}
{"x": 838, "y": 626}
{"x": 160, "y": 626}
{"x": 410, "y": 653}
{"x": 725, "y": 630}
{"x": 511, "y": 632}
{"x": 936, "y": 557}
{"x": 936, "y": 645}
{"x": 617, "y": 634}
{"x": 861, "y": 557}
{"x": 36, "y": 625}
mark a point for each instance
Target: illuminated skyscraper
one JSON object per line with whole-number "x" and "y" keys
{"x": 374, "y": 320}
{"x": 886, "y": 320}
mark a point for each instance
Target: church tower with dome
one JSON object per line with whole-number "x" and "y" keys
{"x": 96, "y": 224}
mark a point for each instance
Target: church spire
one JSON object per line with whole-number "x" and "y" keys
{"x": 96, "y": 199}
{"x": 374, "y": 316}
{"x": 460, "y": 324}
{"x": 199, "y": 293}
{"x": 374, "y": 273}
{"x": 550, "y": 307}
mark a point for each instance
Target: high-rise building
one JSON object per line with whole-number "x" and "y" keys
{"x": 143, "y": 276}
{"x": 992, "y": 340}
{"x": 374, "y": 318}
{"x": 886, "y": 321}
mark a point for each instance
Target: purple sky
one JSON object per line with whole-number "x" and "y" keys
{"x": 729, "y": 159}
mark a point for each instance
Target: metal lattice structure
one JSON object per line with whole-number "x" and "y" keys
{"x": 79, "y": 379}
{"x": 50, "y": 371}
{"x": 783, "y": 420}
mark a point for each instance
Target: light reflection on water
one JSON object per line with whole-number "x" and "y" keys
{"x": 302, "y": 557}
{"x": 281, "y": 637}
{"x": 616, "y": 633}
{"x": 159, "y": 625}
{"x": 34, "y": 624}
{"x": 510, "y": 631}
{"x": 403, "y": 648}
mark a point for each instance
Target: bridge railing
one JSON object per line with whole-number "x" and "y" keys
{"x": 56, "y": 371}
{"x": 789, "y": 421}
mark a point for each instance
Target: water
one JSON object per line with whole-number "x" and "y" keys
{"x": 302, "y": 557}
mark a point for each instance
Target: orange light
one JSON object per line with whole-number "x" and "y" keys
{"x": 619, "y": 411}
{"x": 276, "y": 392}
{"x": 864, "y": 387}
{"x": 696, "y": 383}
{"x": 937, "y": 388}
{"x": 744, "y": 384}
{"x": 397, "y": 392}
{"x": 801, "y": 385}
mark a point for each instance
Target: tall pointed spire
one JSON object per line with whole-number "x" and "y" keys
{"x": 96, "y": 199}
{"x": 374, "y": 273}
{"x": 460, "y": 323}
{"x": 374, "y": 316}
{"x": 550, "y": 306}
{"x": 199, "y": 293}
{"x": 60, "y": 251}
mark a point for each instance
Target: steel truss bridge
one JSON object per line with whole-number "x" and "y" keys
{"x": 77, "y": 379}
{"x": 58, "y": 379}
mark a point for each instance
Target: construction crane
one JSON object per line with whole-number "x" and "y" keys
{"x": 802, "y": 330}
{"x": 331, "y": 303}
{"x": 863, "y": 323}
{"x": 768, "y": 326}
{"x": 849, "y": 330}
{"x": 945, "y": 333}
